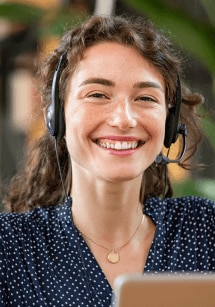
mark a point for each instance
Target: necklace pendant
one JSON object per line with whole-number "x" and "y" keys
{"x": 113, "y": 257}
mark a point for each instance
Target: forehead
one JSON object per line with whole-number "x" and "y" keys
{"x": 112, "y": 57}
{"x": 110, "y": 50}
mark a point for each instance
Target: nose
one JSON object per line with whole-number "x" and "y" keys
{"x": 122, "y": 115}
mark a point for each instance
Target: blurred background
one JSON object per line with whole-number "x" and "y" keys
{"x": 29, "y": 29}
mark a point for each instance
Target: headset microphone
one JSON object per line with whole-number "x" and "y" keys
{"x": 161, "y": 159}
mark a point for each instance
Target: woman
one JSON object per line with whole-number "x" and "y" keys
{"x": 115, "y": 85}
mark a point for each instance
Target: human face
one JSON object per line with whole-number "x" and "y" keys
{"x": 114, "y": 113}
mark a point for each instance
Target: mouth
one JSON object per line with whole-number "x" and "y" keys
{"x": 118, "y": 145}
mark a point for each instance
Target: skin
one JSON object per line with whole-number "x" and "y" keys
{"x": 115, "y": 96}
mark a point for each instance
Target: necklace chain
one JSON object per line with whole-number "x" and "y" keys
{"x": 113, "y": 255}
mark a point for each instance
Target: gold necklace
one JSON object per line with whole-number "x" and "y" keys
{"x": 113, "y": 253}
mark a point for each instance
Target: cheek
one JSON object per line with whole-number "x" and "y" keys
{"x": 80, "y": 123}
{"x": 156, "y": 122}
{"x": 157, "y": 131}
{"x": 81, "y": 114}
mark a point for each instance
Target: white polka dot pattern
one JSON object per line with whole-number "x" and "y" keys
{"x": 41, "y": 252}
{"x": 185, "y": 235}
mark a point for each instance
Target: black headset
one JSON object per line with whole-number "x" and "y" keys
{"x": 55, "y": 114}
{"x": 56, "y": 124}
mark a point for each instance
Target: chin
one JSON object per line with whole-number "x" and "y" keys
{"x": 117, "y": 178}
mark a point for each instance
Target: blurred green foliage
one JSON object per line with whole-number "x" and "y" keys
{"x": 195, "y": 36}
{"x": 48, "y": 22}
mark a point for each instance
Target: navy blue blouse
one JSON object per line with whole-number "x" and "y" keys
{"x": 44, "y": 261}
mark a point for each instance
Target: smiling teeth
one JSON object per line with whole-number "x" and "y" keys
{"x": 119, "y": 145}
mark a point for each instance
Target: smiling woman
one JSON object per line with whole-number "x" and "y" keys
{"x": 112, "y": 98}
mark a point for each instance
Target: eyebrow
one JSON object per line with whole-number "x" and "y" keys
{"x": 142, "y": 84}
{"x": 97, "y": 81}
{"x": 147, "y": 84}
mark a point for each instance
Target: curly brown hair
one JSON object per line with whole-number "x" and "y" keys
{"x": 38, "y": 183}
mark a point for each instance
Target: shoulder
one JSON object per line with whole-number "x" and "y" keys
{"x": 185, "y": 233}
{"x": 39, "y": 219}
{"x": 188, "y": 207}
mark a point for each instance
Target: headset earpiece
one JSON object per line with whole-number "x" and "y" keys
{"x": 55, "y": 114}
{"x": 169, "y": 128}
{"x": 172, "y": 122}
{"x": 173, "y": 129}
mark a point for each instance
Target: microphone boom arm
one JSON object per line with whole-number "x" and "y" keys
{"x": 161, "y": 159}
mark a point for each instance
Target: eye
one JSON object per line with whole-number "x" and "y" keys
{"x": 97, "y": 95}
{"x": 147, "y": 98}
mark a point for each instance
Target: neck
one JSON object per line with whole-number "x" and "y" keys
{"x": 99, "y": 206}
